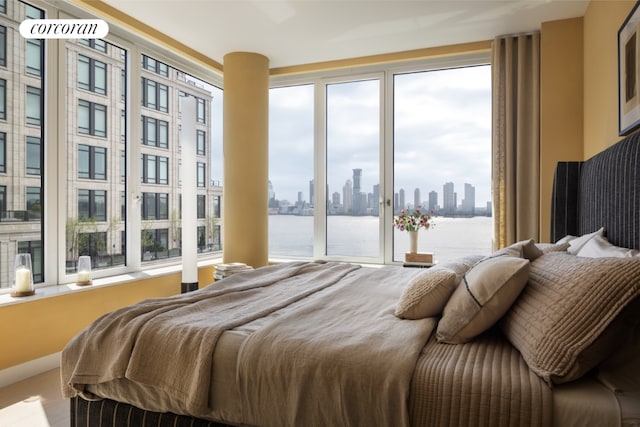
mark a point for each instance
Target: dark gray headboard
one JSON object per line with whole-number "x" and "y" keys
{"x": 603, "y": 191}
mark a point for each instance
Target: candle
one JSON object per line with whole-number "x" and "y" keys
{"x": 84, "y": 277}
{"x": 23, "y": 279}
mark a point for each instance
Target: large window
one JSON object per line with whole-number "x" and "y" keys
{"x": 92, "y": 75}
{"x": 291, "y": 195}
{"x": 442, "y": 124}
{"x": 22, "y": 120}
{"x": 347, "y": 153}
{"x": 94, "y": 147}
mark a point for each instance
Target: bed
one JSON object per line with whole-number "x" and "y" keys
{"x": 535, "y": 334}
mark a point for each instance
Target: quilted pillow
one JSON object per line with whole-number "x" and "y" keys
{"x": 483, "y": 296}
{"x": 426, "y": 294}
{"x": 560, "y": 324}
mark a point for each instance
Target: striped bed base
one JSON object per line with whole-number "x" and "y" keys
{"x": 107, "y": 412}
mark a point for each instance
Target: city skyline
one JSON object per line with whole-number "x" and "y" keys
{"x": 352, "y": 200}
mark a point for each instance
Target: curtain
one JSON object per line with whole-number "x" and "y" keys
{"x": 516, "y": 138}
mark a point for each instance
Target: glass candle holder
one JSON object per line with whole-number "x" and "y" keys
{"x": 84, "y": 271}
{"x": 22, "y": 276}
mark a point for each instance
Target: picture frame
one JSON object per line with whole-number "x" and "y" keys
{"x": 629, "y": 73}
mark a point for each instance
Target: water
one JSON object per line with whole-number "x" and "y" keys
{"x": 292, "y": 236}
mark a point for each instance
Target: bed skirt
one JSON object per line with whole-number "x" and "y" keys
{"x": 109, "y": 412}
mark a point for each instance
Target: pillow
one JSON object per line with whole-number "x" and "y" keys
{"x": 566, "y": 308}
{"x": 523, "y": 249}
{"x": 426, "y": 294}
{"x": 600, "y": 247}
{"x": 552, "y": 247}
{"x": 575, "y": 244}
{"x": 484, "y": 294}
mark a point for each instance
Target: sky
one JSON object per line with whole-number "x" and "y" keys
{"x": 442, "y": 133}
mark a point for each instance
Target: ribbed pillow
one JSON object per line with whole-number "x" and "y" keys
{"x": 483, "y": 296}
{"x": 568, "y": 306}
{"x": 426, "y": 294}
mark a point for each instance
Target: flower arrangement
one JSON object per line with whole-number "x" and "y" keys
{"x": 413, "y": 221}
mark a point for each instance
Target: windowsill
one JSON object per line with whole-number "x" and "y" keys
{"x": 68, "y": 288}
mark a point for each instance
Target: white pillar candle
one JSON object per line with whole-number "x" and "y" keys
{"x": 84, "y": 276}
{"x": 23, "y": 279}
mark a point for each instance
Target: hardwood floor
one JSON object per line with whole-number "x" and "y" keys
{"x": 34, "y": 402}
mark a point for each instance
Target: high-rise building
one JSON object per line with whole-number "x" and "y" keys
{"x": 417, "y": 202}
{"x": 347, "y": 197}
{"x": 401, "y": 201}
{"x": 469, "y": 201}
{"x": 311, "y": 193}
{"x": 433, "y": 201}
{"x": 358, "y": 206}
{"x": 448, "y": 199}
{"x": 375, "y": 202}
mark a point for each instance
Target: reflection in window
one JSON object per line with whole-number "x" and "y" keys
{"x": 34, "y": 106}
{"x": 92, "y": 118}
{"x": 34, "y": 156}
{"x": 92, "y": 204}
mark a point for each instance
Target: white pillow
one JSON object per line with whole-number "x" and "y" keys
{"x": 600, "y": 247}
{"x": 483, "y": 296}
{"x": 577, "y": 243}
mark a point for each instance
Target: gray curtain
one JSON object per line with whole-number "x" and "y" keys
{"x": 516, "y": 138}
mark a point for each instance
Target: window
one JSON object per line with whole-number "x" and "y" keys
{"x": 92, "y": 118}
{"x": 97, "y": 44}
{"x": 3, "y": 99}
{"x": 291, "y": 114}
{"x": 202, "y": 174}
{"x": 34, "y": 248}
{"x": 3, "y": 6}
{"x": 201, "y": 206}
{"x": 92, "y": 204}
{"x": 34, "y": 203}
{"x": 155, "y": 169}
{"x": 157, "y": 67}
{"x": 442, "y": 124}
{"x": 92, "y": 75}
{"x": 123, "y": 166}
{"x": 92, "y": 162}
{"x": 201, "y": 146}
{"x": 155, "y": 244}
{"x": 34, "y": 106}
{"x": 3, "y": 201}
{"x": 32, "y": 12}
{"x": 155, "y": 206}
{"x": 155, "y": 95}
{"x": 34, "y": 156}
{"x": 3, "y": 152}
{"x": 155, "y": 132}
{"x": 3, "y": 45}
{"x": 34, "y": 57}
{"x": 201, "y": 111}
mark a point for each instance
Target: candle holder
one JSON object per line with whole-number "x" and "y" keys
{"x": 84, "y": 271}
{"x": 22, "y": 276}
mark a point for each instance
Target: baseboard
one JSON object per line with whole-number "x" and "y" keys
{"x": 29, "y": 369}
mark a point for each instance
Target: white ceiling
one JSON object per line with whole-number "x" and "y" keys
{"x": 294, "y": 32}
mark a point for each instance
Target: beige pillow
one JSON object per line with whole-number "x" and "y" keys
{"x": 523, "y": 249}
{"x": 426, "y": 294}
{"x": 552, "y": 247}
{"x": 483, "y": 296}
{"x": 564, "y": 323}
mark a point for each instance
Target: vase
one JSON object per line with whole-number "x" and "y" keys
{"x": 413, "y": 241}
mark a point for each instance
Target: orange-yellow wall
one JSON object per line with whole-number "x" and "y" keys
{"x": 37, "y": 328}
{"x": 602, "y": 21}
{"x": 561, "y": 101}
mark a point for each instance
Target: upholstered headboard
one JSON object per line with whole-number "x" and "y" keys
{"x": 603, "y": 191}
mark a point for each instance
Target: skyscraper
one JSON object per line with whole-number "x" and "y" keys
{"x": 416, "y": 198}
{"x": 358, "y": 207}
{"x": 433, "y": 200}
{"x": 469, "y": 201}
{"x": 347, "y": 197}
{"x": 448, "y": 199}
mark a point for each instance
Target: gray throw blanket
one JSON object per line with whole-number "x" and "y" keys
{"x": 168, "y": 343}
{"x": 340, "y": 359}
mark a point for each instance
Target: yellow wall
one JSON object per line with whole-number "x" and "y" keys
{"x": 602, "y": 21}
{"x": 37, "y": 328}
{"x": 561, "y": 100}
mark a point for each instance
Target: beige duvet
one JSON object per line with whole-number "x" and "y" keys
{"x": 301, "y": 344}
